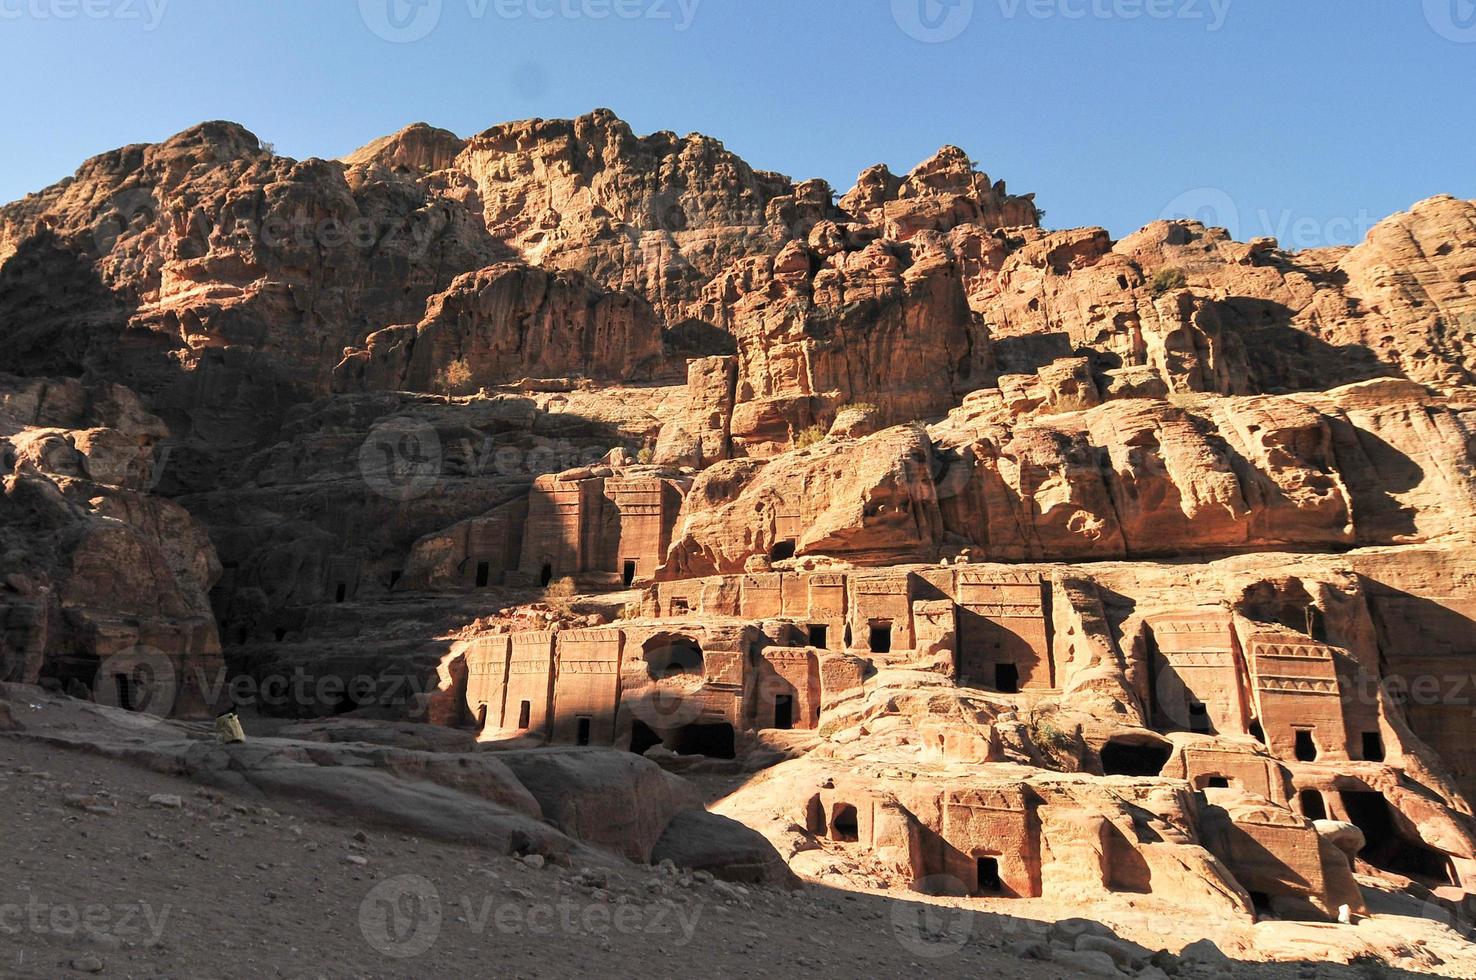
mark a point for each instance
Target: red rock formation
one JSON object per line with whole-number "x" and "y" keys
{"x": 388, "y": 389}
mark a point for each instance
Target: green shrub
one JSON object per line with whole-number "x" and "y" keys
{"x": 1168, "y": 280}
{"x": 806, "y": 438}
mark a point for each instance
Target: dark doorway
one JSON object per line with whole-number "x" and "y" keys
{"x": 280, "y": 634}
{"x": 341, "y": 594}
{"x": 547, "y": 575}
{"x": 1257, "y": 732}
{"x": 581, "y": 736}
{"x": 1134, "y": 759}
{"x": 848, "y": 636}
{"x": 782, "y": 551}
{"x": 1312, "y": 806}
{"x": 642, "y": 737}
{"x": 988, "y": 879}
{"x": 484, "y": 574}
{"x": 1316, "y": 624}
{"x": 843, "y": 823}
{"x": 1306, "y": 749}
{"x": 714, "y": 741}
{"x": 784, "y": 711}
{"x": 881, "y": 637}
{"x": 628, "y": 575}
{"x": 1373, "y": 746}
{"x": 1007, "y": 678}
{"x": 124, "y": 686}
{"x": 525, "y": 715}
{"x": 1199, "y": 719}
{"x": 481, "y": 717}
{"x": 1217, "y": 782}
{"x": 1387, "y": 848}
{"x": 395, "y": 577}
{"x": 819, "y": 635}
{"x": 680, "y": 607}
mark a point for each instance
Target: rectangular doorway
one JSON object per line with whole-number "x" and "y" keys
{"x": 784, "y": 711}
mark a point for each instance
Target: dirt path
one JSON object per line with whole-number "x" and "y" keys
{"x": 96, "y": 875}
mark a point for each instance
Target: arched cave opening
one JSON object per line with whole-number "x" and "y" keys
{"x": 673, "y": 655}
{"x": 1389, "y": 849}
{"x": 1136, "y": 758}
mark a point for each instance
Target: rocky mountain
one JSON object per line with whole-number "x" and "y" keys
{"x": 975, "y": 557}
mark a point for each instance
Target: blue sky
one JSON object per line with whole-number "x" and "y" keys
{"x": 1304, "y": 118}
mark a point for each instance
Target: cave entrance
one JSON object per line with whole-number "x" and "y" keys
{"x": 819, "y": 635}
{"x": 1007, "y": 678}
{"x": 484, "y": 574}
{"x": 546, "y": 575}
{"x": 782, "y": 551}
{"x": 1135, "y": 758}
{"x": 628, "y": 573}
{"x": 716, "y": 741}
{"x": 784, "y": 711}
{"x": 844, "y": 825}
{"x": 1373, "y": 746}
{"x": 1313, "y": 808}
{"x": 1390, "y": 850}
{"x": 642, "y": 737}
{"x": 582, "y": 731}
{"x": 1217, "y": 782}
{"x": 525, "y": 715}
{"x": 481, "y": 717}
{"x": 673, "y": 655}
{"x": 1305, "y": 748}
{"x": 986, "y": 876}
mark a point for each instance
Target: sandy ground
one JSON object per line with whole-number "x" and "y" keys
{"x": 100, "y": 880}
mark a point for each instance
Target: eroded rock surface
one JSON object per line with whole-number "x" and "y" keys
{"x": 948, "y": 552}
